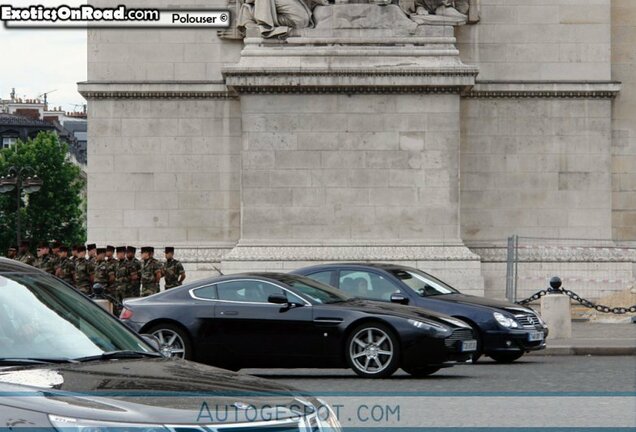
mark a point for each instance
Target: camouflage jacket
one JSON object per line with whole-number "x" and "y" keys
{"x": 26, "y": 258}
{"x": 83, "y": 272}
{"x": 45, "y": 263}
{"x": 172, "y": 269}
{"x": 149, "y": 269}
{"x": 122, "y": 274}
{"x": 135, "y": 269}
{"x": 65, "y": 270}
{"x": 102, "y": 272}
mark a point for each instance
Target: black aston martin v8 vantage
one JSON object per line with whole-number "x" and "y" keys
{"x": 268, "y": 320}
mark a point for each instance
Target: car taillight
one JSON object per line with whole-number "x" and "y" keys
{"x": 126, "y": 314}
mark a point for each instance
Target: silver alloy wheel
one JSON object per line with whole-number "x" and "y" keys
{"x": 371, "y": 350}
{"x": 171, "y": 343}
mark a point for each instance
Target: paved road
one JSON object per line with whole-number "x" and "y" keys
{"x": 530, "y": 374}
{"x": 600, "y": 392}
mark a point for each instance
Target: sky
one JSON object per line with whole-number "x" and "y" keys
{"x": 38, "y": 61}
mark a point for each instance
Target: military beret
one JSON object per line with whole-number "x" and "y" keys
{"x": 120, "y": 249}
{"x": 91, "y": 246}
{"x": 169, "y": 249}
{"x": 55, "y": 244}
{"x": 131, "y": 249}
{"x": 110, "y": 248}
{"x": 101, "y": 251}
{"x": 63, "y": 249}
{"x": 14, "y": 248}
{"x": 148, "y": 249}
{"x": 43, "y": 246}
{"x": 75, "y": 247}
{"x": 81, "y": 248}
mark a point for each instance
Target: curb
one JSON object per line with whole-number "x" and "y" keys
{"x": 567, "y": 350}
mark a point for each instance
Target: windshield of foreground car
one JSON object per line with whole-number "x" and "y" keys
{"x": 423, "y": 284}
{"x": 317, "y": 292}
{"x": 41, "y": 317}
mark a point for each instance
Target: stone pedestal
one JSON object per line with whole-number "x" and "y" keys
{"x": 105, "y": 304}
{"x": 351, "y": 136}
{"x": 555, "y": 311}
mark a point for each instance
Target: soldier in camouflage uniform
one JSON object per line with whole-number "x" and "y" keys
{"x": 44, "y": 261}
{"x": 150, "y": 272}
{"x": 83, "y": 271}
{"x": 92, "y": 251}
{"x": 12, "y": 252}
{"x": 54, "y": 252}
{"x": 103, "y": 274}
{"x": 135, "y": 271}
{"x": 123, "y": 284}
{"x": 65, "y": 268}
{"x": 173, "y": 271}
{"x": 24, "y": 256}
{"x": 112, "y": 263}
{"x": 73, "y": 256}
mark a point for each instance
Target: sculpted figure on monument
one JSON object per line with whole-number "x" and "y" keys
{"x": 453, "y": 9}
{"x": 276, "y": 18}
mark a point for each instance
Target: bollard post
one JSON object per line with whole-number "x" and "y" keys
{"x": 100, "y": 299}
{"x": 555, "y": 311}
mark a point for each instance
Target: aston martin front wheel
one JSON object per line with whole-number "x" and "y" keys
{"x": 372, "y": 351}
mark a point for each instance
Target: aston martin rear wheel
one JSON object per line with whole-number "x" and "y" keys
{"x": 175, "y": 342}
{"x": 372, "y": 351}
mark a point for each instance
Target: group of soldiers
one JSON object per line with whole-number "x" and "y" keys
{"x": 116, "y": 269}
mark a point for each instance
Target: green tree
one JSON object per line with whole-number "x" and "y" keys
{"x": 55, "y": 211}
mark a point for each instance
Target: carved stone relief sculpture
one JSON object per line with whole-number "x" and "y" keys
{"x": 277, "y": 18}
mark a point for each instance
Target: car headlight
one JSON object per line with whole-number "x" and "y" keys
{"x": 504, "y": 321}
{"x": 327, "y": 418}
{"x": 430, "y": 326}
{"x": 67, "y": 424}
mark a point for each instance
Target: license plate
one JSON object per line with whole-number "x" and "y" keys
{"x": 535, "y": 336}
{"x": 469, "y": 345}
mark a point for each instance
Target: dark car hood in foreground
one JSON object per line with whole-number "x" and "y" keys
{"x": 147, "y": 390}
{"x": 479, "y": 301}
{"x": 402, "y": 311}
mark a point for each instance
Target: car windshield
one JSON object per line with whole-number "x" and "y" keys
{"x": 41, "y": 317}
{"x": 423, "y": 284}
{"x": 317, "y": 292}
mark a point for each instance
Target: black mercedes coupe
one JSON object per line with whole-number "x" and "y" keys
{"x": 504, "y": 331}
{"x": 270, "y": 320}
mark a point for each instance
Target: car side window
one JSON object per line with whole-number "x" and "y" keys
{"x": 251, "y": 291}
{"x": 367, "y": 285}
{"x": 323, "y": 277}
{"x": 206, "y": 292}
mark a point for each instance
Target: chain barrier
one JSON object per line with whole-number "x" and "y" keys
{"x": 574, "y": 296}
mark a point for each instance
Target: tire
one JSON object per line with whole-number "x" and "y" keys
{"x": 180, "y": 344}
{"x": 421, "y": 372}
{"x": 506, "y": 357}
{"x": 373, "y": 351}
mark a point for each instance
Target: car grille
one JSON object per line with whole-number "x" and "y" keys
{"x": 528, "y": 320}
{"x": 458, "y": 335}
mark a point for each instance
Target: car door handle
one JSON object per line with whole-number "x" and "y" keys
{"x": 229, "y": 313}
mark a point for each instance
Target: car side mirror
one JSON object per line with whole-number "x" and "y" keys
{"x": 399, "y": 299}
{"x": 278, "y": 299}
{"x": 153, "y": 341}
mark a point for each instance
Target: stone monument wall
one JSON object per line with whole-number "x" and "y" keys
{"x": 624, "y": 127}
